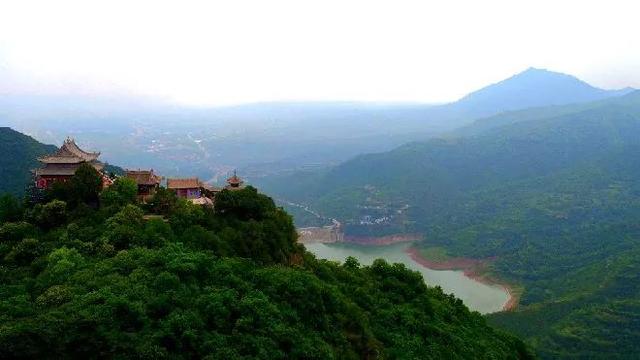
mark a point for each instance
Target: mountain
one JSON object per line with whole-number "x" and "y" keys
{"x": 533, "y": 88}
{"x": 565, "y": 86}
{"x": 20, "y": 153}
{"x": 551, "y": 195}
{"x": 529, "y": 89}
{"x": 270, "y": 138}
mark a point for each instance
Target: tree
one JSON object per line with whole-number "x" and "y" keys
{"x": 163, "y": 201}
{"x": 85, "y": 185}
{"x": 58, "y": 191}
{"x": 49, "y": 215}
{"x": 125, "y": 227}
{"x": 24, "y": 252}
{"x": 33, "y": 195}
{"x": 122, "y": 192}
{"x": 185, "y": 214}
{"x": 244, "y": 204}
{"x": 10, "y": 209}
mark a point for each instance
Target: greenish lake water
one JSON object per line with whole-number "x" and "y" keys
{"x": 477, "y": 296}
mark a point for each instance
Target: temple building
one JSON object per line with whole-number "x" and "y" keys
{"x": 193, "y": 190}
{"x": 62, "y": 165}
{"x": 148, "y": 182}
{"x": 234, "y": 182}
{"x": 188, "y": 188}
{"x": 209, "y": 190}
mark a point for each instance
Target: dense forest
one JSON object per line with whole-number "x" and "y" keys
{"x": 90, "y": 273}
{"x": 551, "y": 194}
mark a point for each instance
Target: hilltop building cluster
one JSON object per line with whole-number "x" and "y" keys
{"x": 62, "y": 165}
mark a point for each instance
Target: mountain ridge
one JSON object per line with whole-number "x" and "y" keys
{"x": 534, "y": 88}
{"x": 509, "y": 117}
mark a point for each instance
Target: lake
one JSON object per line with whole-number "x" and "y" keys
{"x": 478, "y": 296}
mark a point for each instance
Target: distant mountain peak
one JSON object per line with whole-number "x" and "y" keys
{"x": 543, "y": 75}
{"x": 533, "y": 69}
{"x": 533, "y": 87}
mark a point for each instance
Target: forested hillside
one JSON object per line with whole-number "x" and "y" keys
{"x": 552, "y": 195}
{"x": 19, "y": 157}
{"x": 90, "y": 273}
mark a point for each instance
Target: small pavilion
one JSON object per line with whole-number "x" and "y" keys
{"x": 234, "y": 182}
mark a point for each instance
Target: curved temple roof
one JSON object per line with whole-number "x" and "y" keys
{"x": 187, "y": 183}
{"x": 235, "y": 179}
{"x": 143, "y": 177}
{"x": 69, "y": 153}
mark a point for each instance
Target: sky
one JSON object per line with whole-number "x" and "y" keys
{"x": 209, "y": 53}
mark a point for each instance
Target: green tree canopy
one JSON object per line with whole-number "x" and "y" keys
{"x": 123, "y": 191}
{"x": 83, "y": 188}
{"x": 86, "y": 184}
{"x": 163, "y": 201}
{"x": 10, "y": 208}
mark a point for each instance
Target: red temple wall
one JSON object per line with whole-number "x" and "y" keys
{"x": 45, "y": 182}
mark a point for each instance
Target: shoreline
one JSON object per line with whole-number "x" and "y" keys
{"x": 327, "y": 235}
{"x": 381, "y": 240}
{"x": 472, "y": 268}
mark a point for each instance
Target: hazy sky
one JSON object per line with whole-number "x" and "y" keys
{"x": 234, "y": 51}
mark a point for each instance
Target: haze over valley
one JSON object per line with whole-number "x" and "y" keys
{"x": 272, "y": 138}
